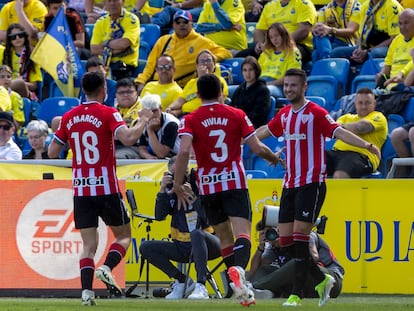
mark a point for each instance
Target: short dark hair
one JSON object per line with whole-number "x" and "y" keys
{"x": 365, "y": 90}
{"x": 208, "y": 87}
{"x": 254, "y": 63}
{"x": 93, "y": 61}
{"x": 168, "y": 56}
{"x": 92, "y": 82}
{"x": 125, "y": 82}
{"x": 297, "y": 72}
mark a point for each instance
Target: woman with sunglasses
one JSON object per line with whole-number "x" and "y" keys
{"x": 26, "y": 74}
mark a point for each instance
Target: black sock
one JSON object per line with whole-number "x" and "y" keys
{"x": 242, "y": 248}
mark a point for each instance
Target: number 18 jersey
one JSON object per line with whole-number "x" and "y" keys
{"x": 217, "y": 131}
{"x": 89, "y": 129}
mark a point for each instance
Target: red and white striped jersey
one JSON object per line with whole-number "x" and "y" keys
{"x": 89, "y": 129}
{"x": 217, "y": 131}
{"x": 304, "y": 132}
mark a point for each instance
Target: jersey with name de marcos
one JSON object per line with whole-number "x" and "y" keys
{"x": 304, "y": 132}
{"x": 89, "y": 128}
{"x": 217, "y": 130}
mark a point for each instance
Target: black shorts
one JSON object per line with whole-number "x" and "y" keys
{"x": 354, "y": 164}
{"x": 111, "y": 208}
{"x": 219, "y": 206}
{"x": 302, "y": 203}
{"x": 408, "y": 126}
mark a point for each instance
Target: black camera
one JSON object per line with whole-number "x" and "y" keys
{"x": 161, "y": 292}
{"x": 271, "y": 235}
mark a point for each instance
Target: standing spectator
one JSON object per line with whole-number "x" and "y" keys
{"x": 252, "y": 96}
{"x": 17, "y": 104}
{"x": 337, "y": 25}
{"x": 215, "y": 131}
{"x": 93, "y": 149}
{"x": 159, "y": 139}
{"x": 115, "y": 38}
{"x": 37, "y": 133}
{"x": 191, "y": 236}
{"x": 304, "y": 126}
{"x": 26, "y": 74}
{"x": 378, "y": 26}
{"x": 279, "y": 54}
{"x": 8, "y": 148}
{"x": 183, "y": 45}
{"x": 165, "y": 87}
{"x": 30, "y": 14}
{"x": 347, "y": 161}
{"x": 223, "y": 22}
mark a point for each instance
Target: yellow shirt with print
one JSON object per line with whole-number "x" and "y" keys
{"x": 35, "y": 74}
{"x": 190, "y": 95}
{"x": 130, "y": 115}
{"x": 17, "y": 106}
{"x": 376, "y": 137}
{"x": 231, "y": 38}
{"x": 5, "y": 101}
{"x": 290, "y": 15}
{"x": 167, "y": 92}
{"x": 407, "y": 4}
{"x": 275, "y": 64}
{"x": 386, "y": 18}
{"x": 129, "y": 22}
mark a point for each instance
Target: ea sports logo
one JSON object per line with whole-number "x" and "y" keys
{"x": 46, "y": 236}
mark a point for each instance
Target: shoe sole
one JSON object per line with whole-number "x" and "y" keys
{"x": 111, "y": 286}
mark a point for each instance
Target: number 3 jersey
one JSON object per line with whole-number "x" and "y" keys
{"x": 89, "y": 129}
{"x": 217, "y": 130}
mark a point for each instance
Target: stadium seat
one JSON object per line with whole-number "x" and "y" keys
{"x": 363, "y": 81}
{"x": 252, "y": 174}
{"x": 149, "y": 35}
{"x": 55, "y": 106}
{"x": 54, "y": 90}
{"x": 394, "y": 121}
{"x": 250, "y": 28}
{"x": 372, "y": 66}
{"x": 318, "y": 100}
{"x": 336, "y": 67}
{"x": 236, "y": 71}
{"x": 272, "y": 171}
{"x": 323, "y": 86}
{"x": 387, "y": 154}
{"x": 271, "y": 113}
{"x": 408, "y": 112}
{"x": 27, "y": 109}
{"x": 231, "y": 89}
{"x": 156, "y": 3}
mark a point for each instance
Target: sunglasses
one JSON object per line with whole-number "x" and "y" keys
{"x": 181, "y": 21}
{"x": 164, "y": 67}
{"x": 14, "y": 36}
{"x": 5, "y": 127}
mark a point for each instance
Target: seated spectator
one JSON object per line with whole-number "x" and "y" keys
{"x": 337, "y": 25}
{"x": 398, "y": 61}
{"x": 164, "y": 19}
{"x": 9, "y": 150}
{"x": 17, "y": 104}
{"x": 26, "y": 74}
{"x": 279, "y": 54}
{"x": 184, "y": 45}
{"x": 29, "y": 14}
{"x": 275, "y": 272}
{"x": 159, "y": 139}
{"x": 378, "y": 26}
{"x": 75, "y": 22}
{"x": 254, "y": 9}
{"x": 37, "y": 133}
{"x": 252, "y": 96}
{"x": 223, "y": 22}
{"x": 346, "y": 161}
{"x": 188, "y": 101}
{"x": 191, "y": 236}
{"x": 96, "y": 64}
{"x": 115, "y": 38}
{"x": 165, "y": 87}
{"x": 399, "y": 138}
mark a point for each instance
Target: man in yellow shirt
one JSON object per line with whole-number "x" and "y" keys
{"x": 346, "y": 161}
{"x": 28, "y": 13}
{"x": 115, "y": 38}
{"x": 166, "y": 87}
{"x": 183, "y": 45}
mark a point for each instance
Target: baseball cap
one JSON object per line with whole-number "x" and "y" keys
{"x": 7, "y": 117}
{"x": 151, "y": 102}
{"x": 183, "y": 14}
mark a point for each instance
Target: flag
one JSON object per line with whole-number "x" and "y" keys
{"x": 56, "y": 54}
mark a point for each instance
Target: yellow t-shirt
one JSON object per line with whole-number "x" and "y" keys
{"x": 376, "y": 137}
{"x": 130, "y": 115}
{"x": 5, "y": 101}
{"x": 17, "y": 106}
{"x": 407, "y": 4}
{"x": 168, "y": 92}
{"x": 127, "y": 26}
{"x": 275, "y": 65}
{"x": 230, "y": 39}
{"x": 290, "y": 15}
{"x": 35, "y": 11}
{"x": 192, "y": 102}
{"x": 35, "y": 74}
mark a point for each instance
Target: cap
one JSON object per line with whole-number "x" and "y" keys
{"x": 7, "y": 117}
{"x": 151, "y": 102}
{"x": 183, "y": 14}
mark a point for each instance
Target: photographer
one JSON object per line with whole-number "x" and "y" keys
{"x": 188, "y": 228}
